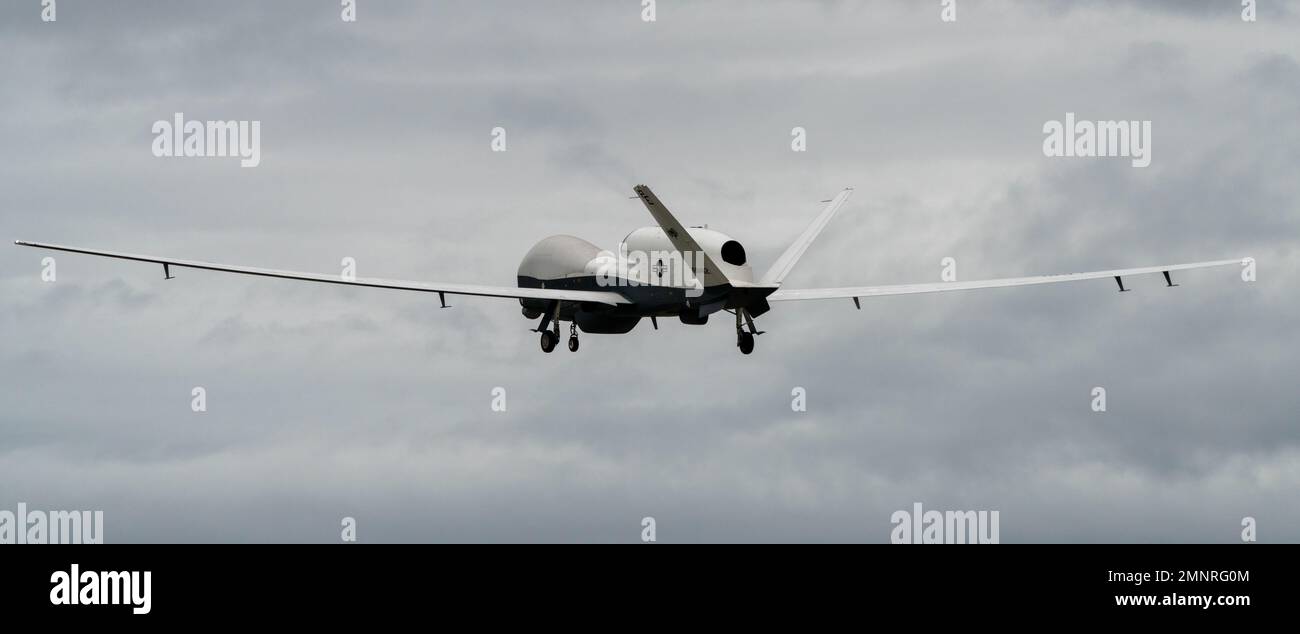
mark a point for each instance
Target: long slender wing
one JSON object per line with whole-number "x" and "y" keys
{"x": 599, "y": 297}
{"x": 854, "y": 292}
{"x": 786, "y": 262}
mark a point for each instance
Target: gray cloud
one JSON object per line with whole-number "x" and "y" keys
{"x": 326, "y": 402}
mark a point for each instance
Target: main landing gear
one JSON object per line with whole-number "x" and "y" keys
{"x": 745, "y": 338}
{"x": 745, "y": 341}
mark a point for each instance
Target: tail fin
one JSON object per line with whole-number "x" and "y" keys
{"x": 786, "y": 262}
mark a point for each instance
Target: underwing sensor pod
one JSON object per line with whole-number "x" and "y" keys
{"x": 666, "y": 270}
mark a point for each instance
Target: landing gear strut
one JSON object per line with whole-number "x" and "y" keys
{"x": 573, "y": 337}
{"x": 551, "y": 336}
{"x": 745, "y": 338}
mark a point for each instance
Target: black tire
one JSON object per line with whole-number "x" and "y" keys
{"x": 548, "y": 341}
{"x": 746, "y": 343}
{"x": 573, "y": 344}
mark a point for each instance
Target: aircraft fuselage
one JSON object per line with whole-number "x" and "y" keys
{"x": 658, "y": 280}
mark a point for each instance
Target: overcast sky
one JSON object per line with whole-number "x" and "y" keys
{"x": 325, "y": 402}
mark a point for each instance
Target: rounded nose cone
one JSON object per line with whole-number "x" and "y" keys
{"x": 558, "y": 256}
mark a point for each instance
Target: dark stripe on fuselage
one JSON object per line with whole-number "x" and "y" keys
{"x": 646, "y": 300}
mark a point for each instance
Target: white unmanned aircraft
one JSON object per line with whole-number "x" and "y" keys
{"x": 563, "y": 278}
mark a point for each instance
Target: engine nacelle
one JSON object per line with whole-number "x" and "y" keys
{"x": 727, "y": 254}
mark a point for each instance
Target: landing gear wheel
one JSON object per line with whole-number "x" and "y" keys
{"x": 745, "y": 342}
{"x": 573, "y": 343}
{"x": 549, "y": 339}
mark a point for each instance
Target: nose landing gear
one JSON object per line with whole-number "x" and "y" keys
{"x": 550, "y": 329}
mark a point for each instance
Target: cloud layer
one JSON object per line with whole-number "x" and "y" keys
{"x": 326, "y": 402}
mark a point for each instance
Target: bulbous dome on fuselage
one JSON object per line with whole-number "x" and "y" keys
{"x": 557, "y": 257}
{"x": 567, "y": 262}
{"x": 567, "y": 257}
